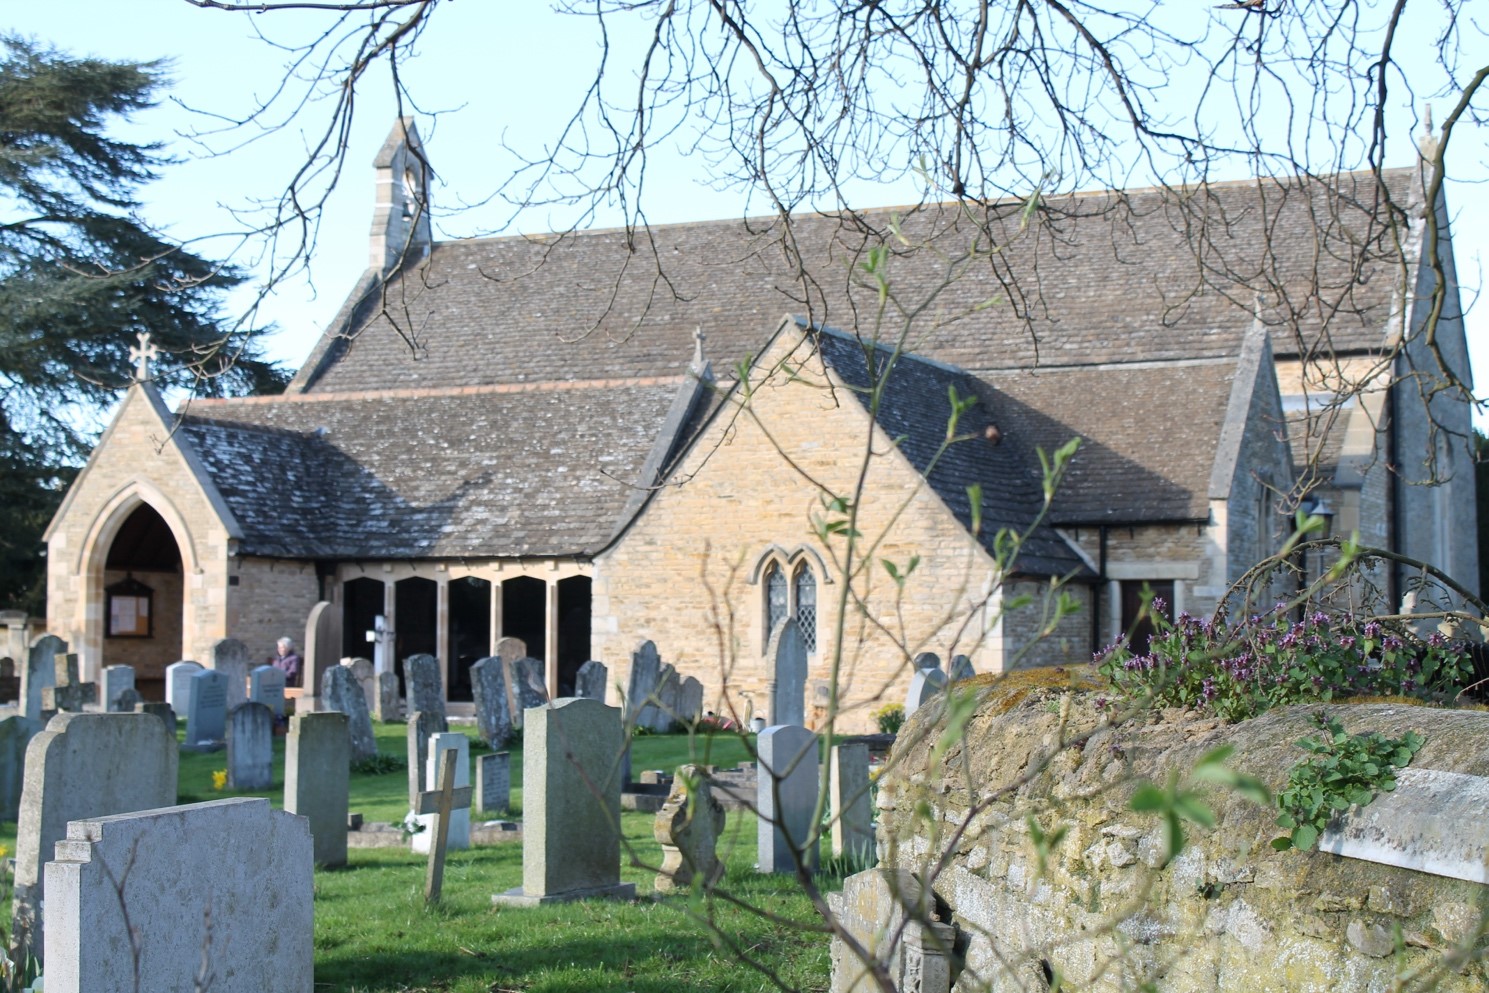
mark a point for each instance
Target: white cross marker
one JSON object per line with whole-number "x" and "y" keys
{"x": 141, "y": 355}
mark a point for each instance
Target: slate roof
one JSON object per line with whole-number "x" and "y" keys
{"x": 915, "y": 410}
{"x": 537, "y": 471}
{"x": 1116, "y": 279}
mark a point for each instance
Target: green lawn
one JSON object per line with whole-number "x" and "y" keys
{"x": 373, "y": 933}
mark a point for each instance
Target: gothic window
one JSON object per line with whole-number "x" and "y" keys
{"x": 806, "y": 606}
{"x": 775, "y": 598}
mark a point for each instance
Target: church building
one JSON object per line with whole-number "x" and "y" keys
{"x": 597, "y": 438}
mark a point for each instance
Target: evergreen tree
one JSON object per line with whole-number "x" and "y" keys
{"x": 80, "y": 275}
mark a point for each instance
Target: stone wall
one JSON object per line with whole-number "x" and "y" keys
{"x": 150, "y": 656}
{"x": 1103, "y": 907}
{"x": 271, "y": 601}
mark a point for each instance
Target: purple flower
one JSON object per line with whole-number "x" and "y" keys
{"x": 1372, "y": 630}
{"x": 1437, "y": 640}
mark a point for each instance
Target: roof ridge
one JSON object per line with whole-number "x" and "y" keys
{"x": 423, "y": 392}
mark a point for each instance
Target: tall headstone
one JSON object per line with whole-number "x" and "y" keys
{"x": 389, "y": 704}
{"x": 509, "y": 650}
{"x": 41, "y": 670}
{"x": 494, "y": 782}
{"x": 317, "y": 763}
{"x": 787, "y": 658}
{"x": 848, "y": 799}
{"x": 178, "y": 684}
{"x": 961, "y": 668}
{"x": 362, "y": 670}
{"x": 250, "y": 747}
{"x": 664, "y": 711}
{"x": 590, "y": 681}
{"x": 924, "y": 685}
{"x": 15, "y": 734}
{"x": 117, "y": 679}
{"x": 688, "y": 828}
{"x": 322, "y": 647}
{"x": 69, "y": 693}
{"x": 489, "y": 689}
{"x": 421, "y": 727}
{"x": 426, "y": 688}
{"x": 340, "y": 692}
{"x": 570, "y": 804}
{"x": 690, "y": 700}
{"x": 184, "y": 911}
{"x": 206, "y": 709}
{"x": 641, "y": 687}
{"x": 459, "y": 831}
{"x": 230, "y": 657}
{"x": 82, "y": 765}
{"x": 266, "y": 686}
{"x": 786, "y": 798}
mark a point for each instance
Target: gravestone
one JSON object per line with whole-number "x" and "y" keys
{"x": 690, "y": 700}
{"x": 421, "y": 727}
{"x": 322, "y": 647}
{"x": 250, "y": 747}
{"x": 961, "y": 668}
{"x": 641, "y": 687}
{"x": 82, "y": 765}
{"x": 664, "y": 712}
{"x": 68, "y": 693}
{"x": 128, "y": 701}
{"x": 458, "y": 836}
{"x": 927, "y": 660}
{"x": 15, "y": 734}
{"x": 317, "y": 762}
{"x": 530, "y": 683}
{"x": 362, "y": 670}
{"x": 341, "y": 693}
{"x": 494, "y": 782}
{"x": 266, "y": 686}
{"x": 426, "y": 689}
{"x": 160, "y": 711}
{"x": 230, "y": 657}
{"x": 786, "y": 798}
{"x": 1431, "y": 822}
{"x": 848, "y": 799}
{"x": 40, "y": 671}
{"x": 893, "y": 918}
{"x": 688, "y": 828}
{"x": 590, "y": 681}
{"x": 178, "y": 684}
{"x": 924, "y": 686}
{"x": 570, "y": 805}
{"x": 787, "y": 657}
{"x": 166, "y": 867}
{"x": 206, "y": 709}
{"x": 389, "y": 706}
{"x": 489, "y": 689}
{"x": 117, "y": 679}
{"x": 509, "y": 650}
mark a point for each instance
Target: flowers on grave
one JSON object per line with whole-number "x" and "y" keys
{"x": 219, "y": 780}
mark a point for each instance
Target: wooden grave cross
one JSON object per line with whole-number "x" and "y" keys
{"x": 441, "y": 802}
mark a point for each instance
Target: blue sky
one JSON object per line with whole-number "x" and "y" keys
{"x": 499, "y": 73}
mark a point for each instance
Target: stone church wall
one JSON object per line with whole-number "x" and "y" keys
{"x": 1103, "y": 907}
{"x": 272, "y": 599}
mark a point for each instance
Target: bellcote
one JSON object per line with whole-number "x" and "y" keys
{"x": 400, "y": 219}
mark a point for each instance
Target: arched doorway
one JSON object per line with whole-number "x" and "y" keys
{"x": 143, "y": 594}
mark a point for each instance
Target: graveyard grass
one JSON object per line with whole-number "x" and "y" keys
{"x": 373, "y": 933}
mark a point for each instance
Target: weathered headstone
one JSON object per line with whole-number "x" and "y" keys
{"x": 421, "y": 727}
{"x": 688, "y": 828}
{"x": 184, "y": 912}
{"x": 82, "y": 765}
{"x": 924, "y": 685}
{"x": 848, "y": 797}
{"x": 494, "y": 782}
{"x": 69, "y": 693}
{"x": 117, "y": 679}
{"x": 266, "y": 686}
{"x": 426, "y": 688}
{"x": 362, "y": 670}
{"x": 389, "y": 705}
{"x": 664, "y": 711}
{"x": 206, "y": 709}
{"x": 40, "y": 671}
{"x": 178, "y": 684}
{"x": 927, "y": 660}
{"x": 893, "y": 918}
{"x": 127, "y": 701}
{"x": 570, "y": 805}
{"x": 489, "y": 690}
{"x": 690, "y": 700}
{"x": 250, "y": 747}
{"x": 509, "y": 650}
{"x": 317, "y": 764}
{"x": 641, "y": 687}
{"x": 787, "y": 657}
{"x": 529, "y": 675}
{"x": 786, "y": 798}
{"x": 458, "y": 834}
{"x": 341, "y": 693}
{"x": 230, "y": 657}
{"x": 322, "y": 646}
{"x": 590, "y": 681}
{"x": 961, "y": 668}
{"x": 15, "y": 734}
{"x": 161, "y": 711}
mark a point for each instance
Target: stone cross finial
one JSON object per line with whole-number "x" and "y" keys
{"x": 142, "y": 355}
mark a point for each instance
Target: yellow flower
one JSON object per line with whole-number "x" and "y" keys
{"x": 4, "y": 851}
{"x": 219, "y": 779}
